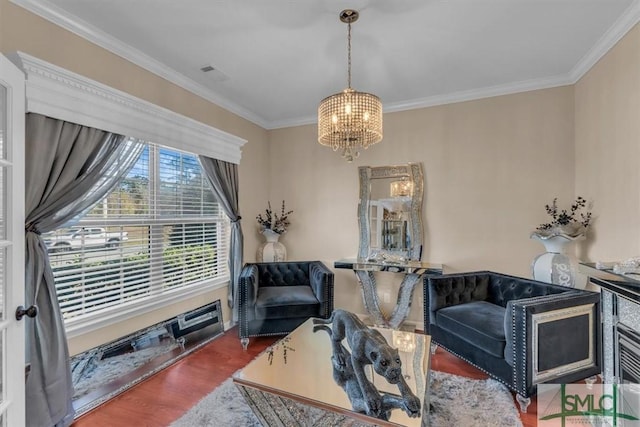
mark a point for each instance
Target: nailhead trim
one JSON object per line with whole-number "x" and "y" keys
{"x": 518, "y": 371}
{"x": 314, "y": 266}
{"x": 528, "y": 302}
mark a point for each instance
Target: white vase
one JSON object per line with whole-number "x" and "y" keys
{"x": 271, "y": 250}
{"x": 555, "y": 265}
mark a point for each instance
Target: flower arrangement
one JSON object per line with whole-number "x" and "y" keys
{"x": 271, "y": 220}
{"x": 572, "y": 222}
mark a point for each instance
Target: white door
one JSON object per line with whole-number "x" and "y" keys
{"x": 12, "y": 338}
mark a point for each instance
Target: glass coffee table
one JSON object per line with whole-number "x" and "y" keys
{"x": 292, "y": 383}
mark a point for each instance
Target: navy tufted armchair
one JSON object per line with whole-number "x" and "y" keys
{"x": 519, "y": 331}
{"x": 276, "y": 297}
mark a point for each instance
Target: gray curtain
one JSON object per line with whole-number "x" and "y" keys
{"x": 223, "y": 177}
{"x": 69, "y": 168}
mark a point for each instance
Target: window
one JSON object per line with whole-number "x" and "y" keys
{"x": 158, "y": 236}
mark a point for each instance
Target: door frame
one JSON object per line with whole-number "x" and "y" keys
{"x": 12, "y": 330}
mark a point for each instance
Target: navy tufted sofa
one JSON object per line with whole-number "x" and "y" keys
{"x": 274, "y": 298}
{"x": 519, "y": 331}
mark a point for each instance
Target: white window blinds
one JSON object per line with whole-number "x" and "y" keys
{"x": 160, "y": 233}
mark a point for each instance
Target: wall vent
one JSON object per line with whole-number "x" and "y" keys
{"x": 214, "y": 73}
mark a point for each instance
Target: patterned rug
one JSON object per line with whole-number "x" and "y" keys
{"x": 455, "y": 401}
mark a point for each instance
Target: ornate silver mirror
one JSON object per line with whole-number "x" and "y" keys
{"x": 390, "y": 213}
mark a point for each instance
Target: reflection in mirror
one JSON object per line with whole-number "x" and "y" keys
{"x": 390, "y": 213}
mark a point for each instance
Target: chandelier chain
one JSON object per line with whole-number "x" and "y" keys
{"x": 349, "y": 55}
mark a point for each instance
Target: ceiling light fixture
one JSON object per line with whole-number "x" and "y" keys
{"x": 350, "y": 119}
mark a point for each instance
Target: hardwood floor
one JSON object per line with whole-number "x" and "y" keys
{"x": 164, "y": 397}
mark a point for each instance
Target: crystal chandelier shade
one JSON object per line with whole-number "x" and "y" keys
{"x": 350, "y": 119}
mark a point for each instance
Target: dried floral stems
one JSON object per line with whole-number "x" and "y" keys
{"x": 572, "y": 217}
{"x": 271, "y": 220}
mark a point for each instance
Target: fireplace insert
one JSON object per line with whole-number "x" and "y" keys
{"x": 627, "y": 368}
{"x": 628, "y": 363}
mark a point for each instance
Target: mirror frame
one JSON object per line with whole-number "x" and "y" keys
{"x": 369, "y": 173}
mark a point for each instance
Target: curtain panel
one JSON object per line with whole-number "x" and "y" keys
{"x": 69, "y": 169}
{"x": 223, "y": 177}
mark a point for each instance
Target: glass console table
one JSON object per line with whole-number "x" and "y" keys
{"x": 414, "y": 271}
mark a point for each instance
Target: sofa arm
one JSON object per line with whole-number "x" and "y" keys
{"x": 552, "y": 338}
{"x": 321, "y": 281}
{"x": 248, "y": 286}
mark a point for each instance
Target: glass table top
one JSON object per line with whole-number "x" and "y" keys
{"x": 409, "y": 267}
{"x": 299, "y": 367}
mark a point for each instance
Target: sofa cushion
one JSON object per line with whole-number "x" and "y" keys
{"x": 479, "y": 323}
{"x": 279, "y": 302}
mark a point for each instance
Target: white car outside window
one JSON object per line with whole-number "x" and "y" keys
{"x": 82, "y": 237}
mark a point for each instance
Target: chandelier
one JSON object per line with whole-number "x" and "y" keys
{"x": 349, "y": 119}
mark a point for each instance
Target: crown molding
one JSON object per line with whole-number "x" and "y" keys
{"x": 617, "y": 31}
{"x": 451, "y": 98}
{"x": 59, "y": 17}
{"x": 296, "y": 121}
{"x": 475, "y": 94}
{"x": 62, "y": 94}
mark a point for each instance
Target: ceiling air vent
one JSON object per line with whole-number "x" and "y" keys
{"x": 214, "y": 73}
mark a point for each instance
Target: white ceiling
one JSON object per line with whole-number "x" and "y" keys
{"x": 278, "y": 58}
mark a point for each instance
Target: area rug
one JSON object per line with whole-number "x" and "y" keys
{"x": 455, "y": 401}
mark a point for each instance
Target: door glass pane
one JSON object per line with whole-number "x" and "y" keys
{"x": 3, "y": 205}
{"x": 3, "y": 234}
{"x": 3, "y": 336}
{"x": 3, "y": 214}
{"x": 3, "y": 195}
{"x": 2, "y": 282}
{"x": 3, "y": 122}
{"x": 3, "y": 376}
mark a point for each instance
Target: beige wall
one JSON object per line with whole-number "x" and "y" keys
{"x": 26, "y": 32}
{"x": 490, "y": 167}
{"x": 607, "y": 121}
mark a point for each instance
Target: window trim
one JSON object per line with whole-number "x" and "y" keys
{"x": 62, "y": 94}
